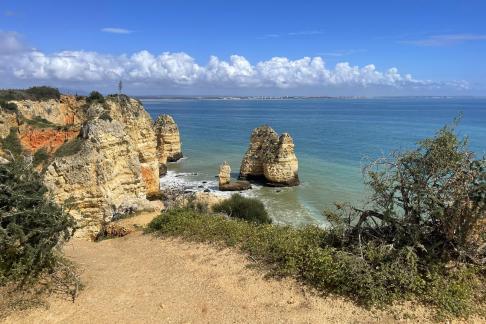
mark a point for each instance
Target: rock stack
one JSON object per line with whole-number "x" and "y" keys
{"x": 225, "y": 183}
{"x": 168, "y": 141}
{"x": 270, "y": 158}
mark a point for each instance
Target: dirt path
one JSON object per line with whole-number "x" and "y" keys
{"x": 143, "y": 279}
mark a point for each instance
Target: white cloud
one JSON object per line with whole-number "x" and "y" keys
{"x": 115, "y": 30}
{"x": 444, "y": 40}
{"x": 17, "y": 62}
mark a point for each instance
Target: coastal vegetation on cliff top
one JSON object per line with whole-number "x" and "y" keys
{"x": 421, "y": 238}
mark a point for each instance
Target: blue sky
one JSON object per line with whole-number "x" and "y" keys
{"x": 440, "y": 44}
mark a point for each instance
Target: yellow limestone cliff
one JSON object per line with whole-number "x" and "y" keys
{"x": 103, "y": 155}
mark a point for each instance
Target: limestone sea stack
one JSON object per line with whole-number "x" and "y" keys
{"x": 225, "y": 183}
{"x": 168, "y": 141}
{"x": 270, "y": 158}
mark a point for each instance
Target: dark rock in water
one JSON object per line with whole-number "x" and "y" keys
{"x": 162, "y": 169}
{"x": 236, "y": 186}
{"x": 207, "y": 190}
{"x": 278, "y": 190}
{"x": 204, "y": 182}
{"x": 200, "y": 186}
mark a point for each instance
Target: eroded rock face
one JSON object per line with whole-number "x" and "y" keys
{"x": 110, "y": 171}
{"x": 102, "y": 178}
{"x": 138, "y": 126}
{"x": 270, "y": 158}
{"x": 168, "y": 141}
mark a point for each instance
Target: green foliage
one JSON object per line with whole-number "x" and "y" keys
{"x": 9, "y": 106}
{"x": 43, "y": 93}
{"x": 105, "y": 115}
{"x": 69, "y": 148}
{"x": 12, "y": 143}
{"x": 34, "y": 93}
{"x": 379, "y": 275}
{"x": 39, "y": 122}
{"x": 40, "y": 157}
{"x": 250, "y": 209}
{"x": 431, "y": 200}
{"x": 95, "y": 96}
{"x": 31, "y": 225}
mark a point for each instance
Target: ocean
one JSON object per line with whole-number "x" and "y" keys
{"x": 334, "y": 139}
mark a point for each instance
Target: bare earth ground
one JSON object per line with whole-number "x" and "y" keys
{"x": 143, "y": 279}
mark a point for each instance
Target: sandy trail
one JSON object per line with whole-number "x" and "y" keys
{"x": 143, "y": 279}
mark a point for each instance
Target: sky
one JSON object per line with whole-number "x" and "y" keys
{"x": 325, "y": 48}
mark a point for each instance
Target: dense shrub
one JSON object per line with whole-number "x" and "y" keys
{"x": 39, "y": 122}
{"x": 95, "y": 96}
{"x": 34, "y": 93}
{"x": 11, "y": 143}
{"x": 9, "y": 106}
{"x": 250, "y": 209}
{"x": 377, "y": 277}
{"x": 69, "y": 147}
{"x": 431, "y": 200}
{"x": 43, "y": 93}
{"x": 40, "y": 156}
{"x": 31, "y": 225}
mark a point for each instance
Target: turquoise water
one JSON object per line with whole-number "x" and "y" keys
{"x": 333, "y": 138}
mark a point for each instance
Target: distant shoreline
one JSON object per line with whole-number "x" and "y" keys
{"x": 169, "y": 97}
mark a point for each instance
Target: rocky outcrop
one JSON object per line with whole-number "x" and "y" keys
{"x": 224, "y": 174}
{"x": 270, "y": 158}
{"x": 225, "y": 183}
{"x": 102, "y": 179}
{"x": 109, "y": 163}
{"x": 168, "y": 141}
{"x": 138, "y": 126}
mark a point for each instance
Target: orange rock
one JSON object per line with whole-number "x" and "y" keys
{"x": 33, "y": 139}
{"x": 150, "y": 179}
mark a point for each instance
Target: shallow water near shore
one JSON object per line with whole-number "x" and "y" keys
{"x": 333, "y": 139}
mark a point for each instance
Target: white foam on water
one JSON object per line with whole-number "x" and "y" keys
{"x": 186, "y": 182}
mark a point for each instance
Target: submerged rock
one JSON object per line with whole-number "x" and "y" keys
{"x": 270, "y": 158}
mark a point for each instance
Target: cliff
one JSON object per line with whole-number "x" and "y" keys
{"x": 270, "y": 158}
{"x": 102, "y": 155}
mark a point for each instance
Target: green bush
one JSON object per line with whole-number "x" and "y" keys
{"x": 34, "y": 93}
{"x": 95, "y": 96}
{"x": 70, "y": 147}
{"x": 43, "y": 93}
{"x": 31, "y": 225}
{"x": 39, "y": 122}
{"x": 12, "y": 143}
{"x": 9, "y": 106}
{"x": 431, "y": 200}
{"x": 250, "y": 209}
{"x": 40, "y": 157}
{"x": 378, "y": 276}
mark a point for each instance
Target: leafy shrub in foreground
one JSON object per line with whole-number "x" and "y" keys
{"x": 378, "y": 277}
{"x": 250, "y": 209}
{"x": 31, "y": 225}
{"x": 431, "y": 200}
